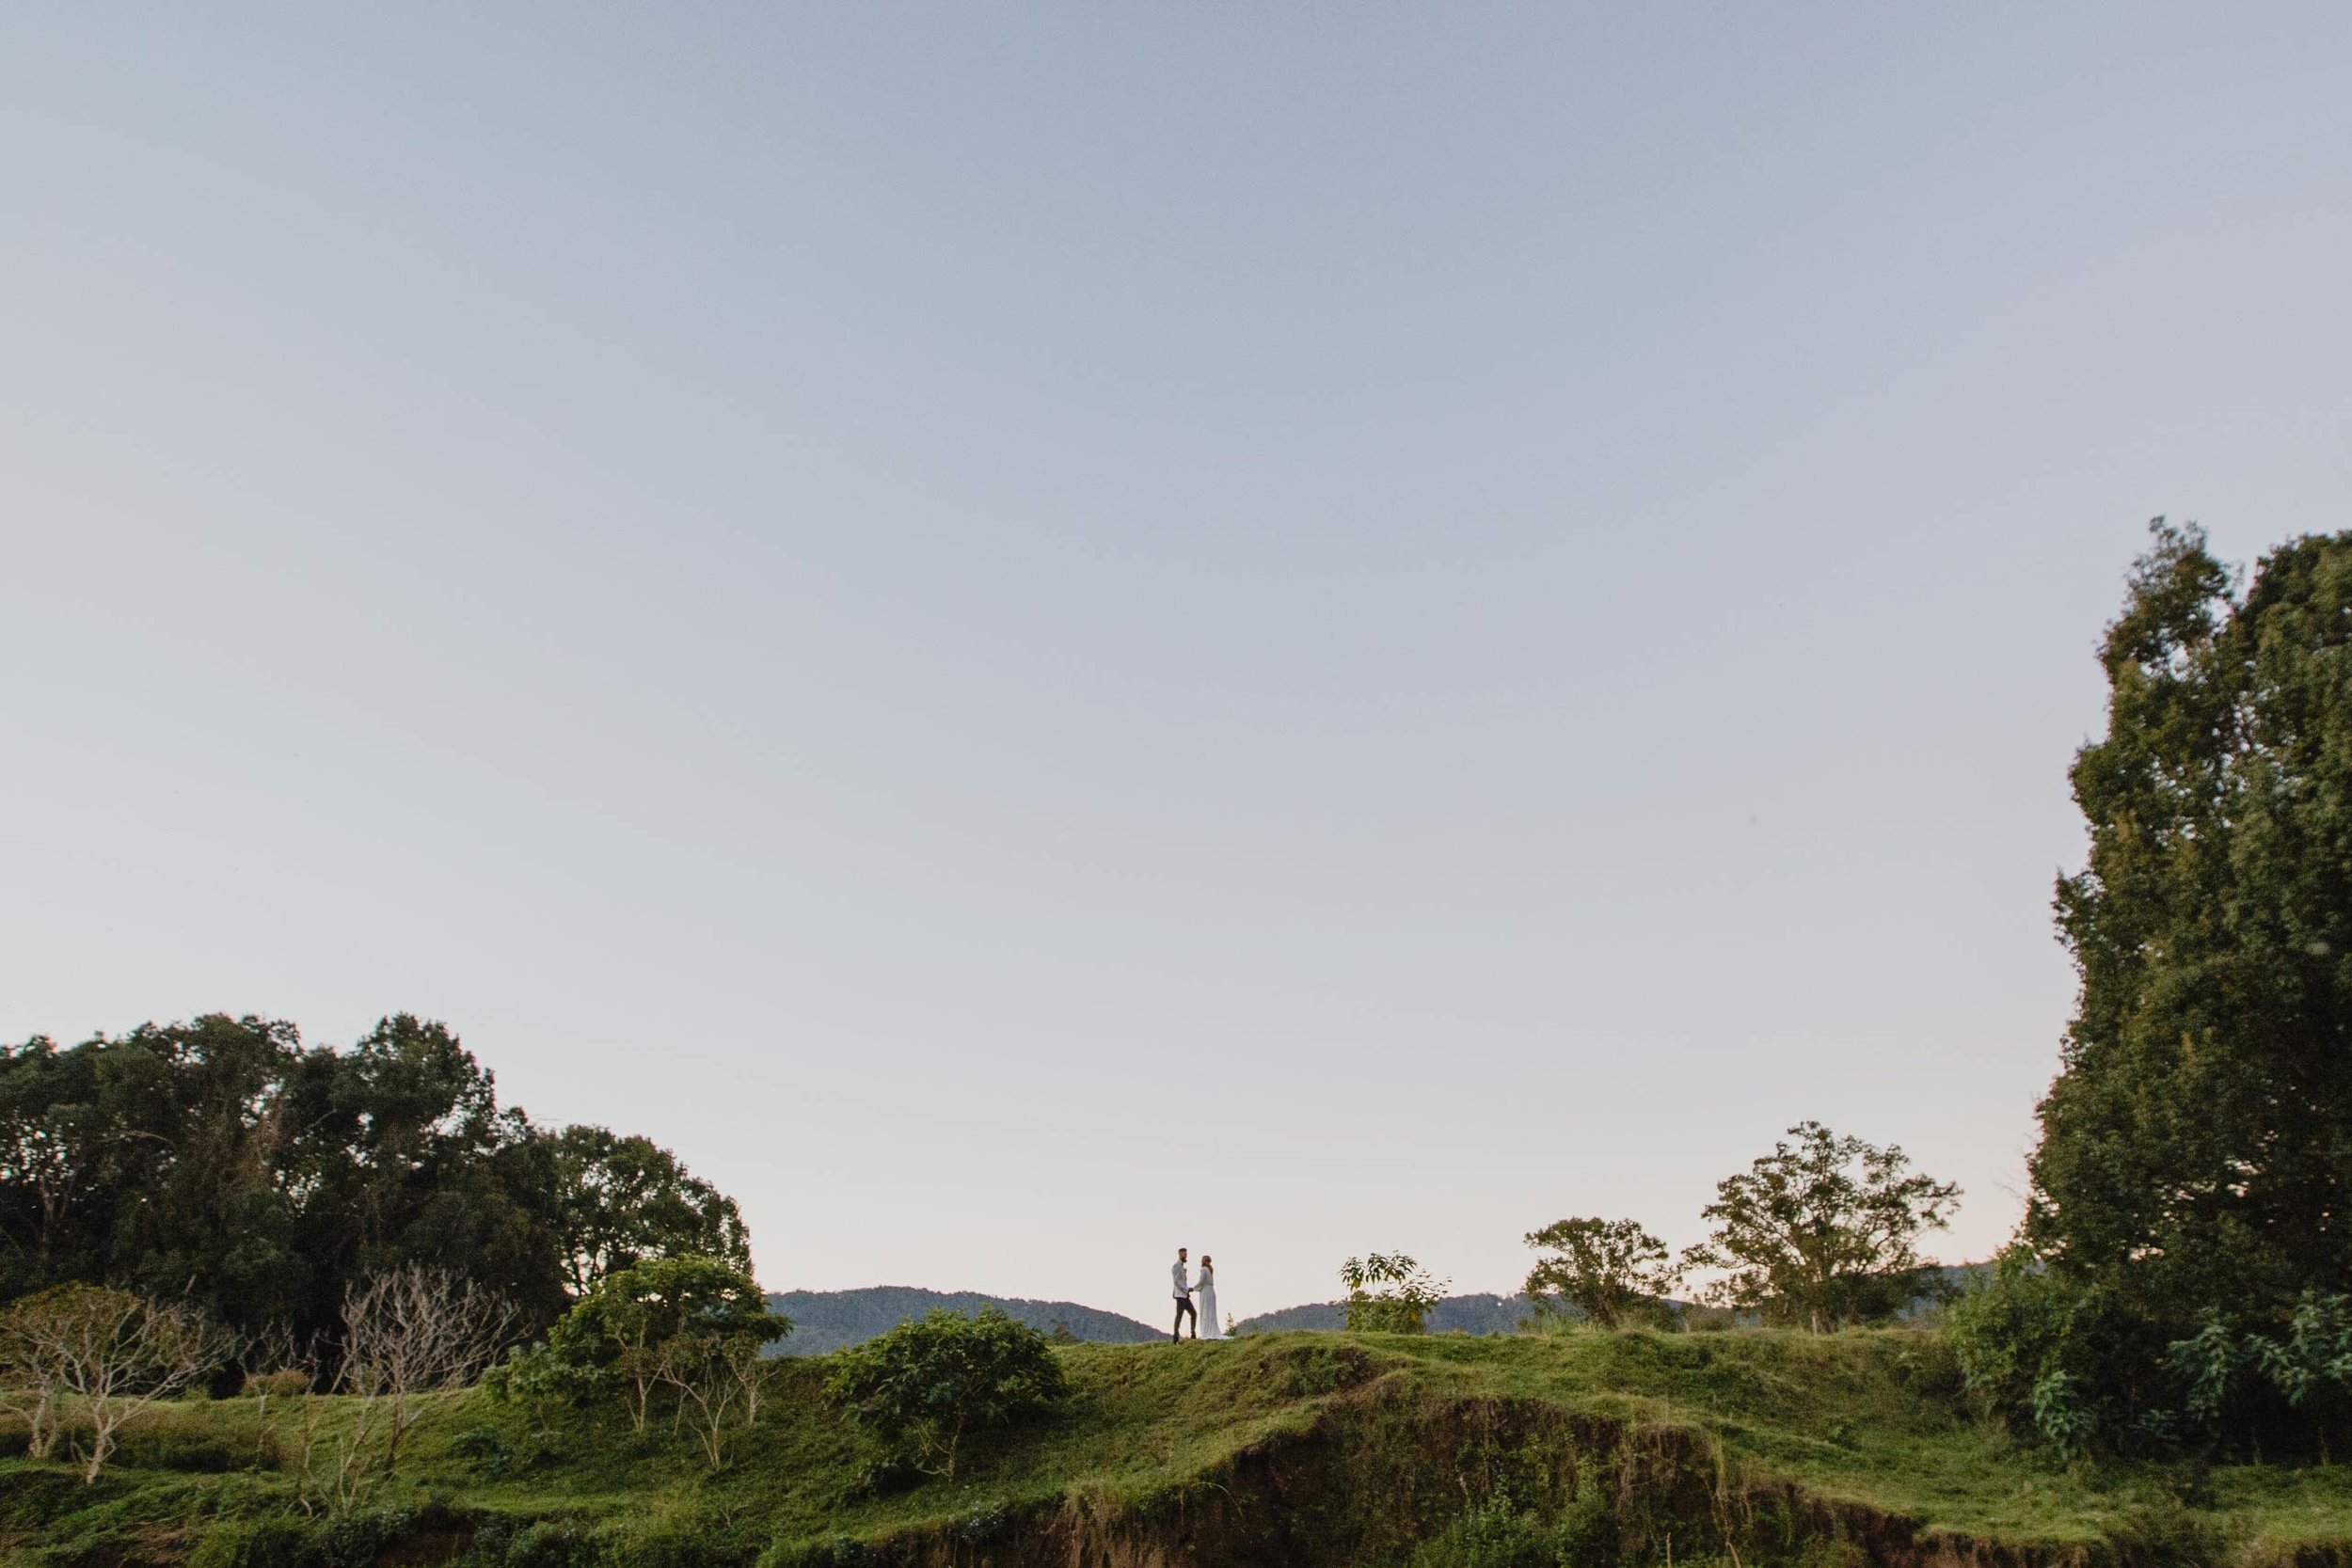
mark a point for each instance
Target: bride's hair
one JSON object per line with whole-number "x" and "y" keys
{"x": 1204, "y": 1260}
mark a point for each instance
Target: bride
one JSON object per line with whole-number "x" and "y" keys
{"x": 1212, "y": 1327}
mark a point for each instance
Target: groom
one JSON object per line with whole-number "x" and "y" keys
{"x": 1183, "y": 1281}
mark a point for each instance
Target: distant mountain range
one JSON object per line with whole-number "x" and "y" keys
{"x": 826, "y": 1321}
{"x": 830, "y": 1319}
{"x": 1463, "y": 1314}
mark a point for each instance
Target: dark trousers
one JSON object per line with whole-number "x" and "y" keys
{"x": 1186, "y": 1309}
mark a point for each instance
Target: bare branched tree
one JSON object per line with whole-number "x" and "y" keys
{"x": 407, "y": 1334}
{"x": 111, "y": 1353}
{"x": 718, "y": 1378}
{"x": 29, "y": 1387}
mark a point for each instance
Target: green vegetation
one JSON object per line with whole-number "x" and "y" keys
{"x": 919, "y": 1389}
{"x": 621, "y": 1200}
{"x": 355, "y": 1238}
{"x": 691, "y": 1332}
{"x": 1823, "y": 1234}
{"x": 1759, "y": 1447}
{"x": 223, "y": 1166}
{"x": 2189, "y": 1225}
{"x": 1388, "y": 1292}
{"x": 1610, "y": 1272}
{"x": 103, "y": 1355}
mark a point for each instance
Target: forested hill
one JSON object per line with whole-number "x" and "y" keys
{"x": 1469, "y": 1314}
{"x": 828, "y": 1320}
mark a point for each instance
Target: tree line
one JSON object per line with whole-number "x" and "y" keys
{"x": 1819, "y": 1234}
{"x": 223, "y": 1166}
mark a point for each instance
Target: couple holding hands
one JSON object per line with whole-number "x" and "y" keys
{"x": 1186, "y": 1287}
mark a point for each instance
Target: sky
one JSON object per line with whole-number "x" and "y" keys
{"x": 1034, "y": 634}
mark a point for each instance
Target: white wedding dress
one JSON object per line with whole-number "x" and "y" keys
{"x": 1204, "y": 1301}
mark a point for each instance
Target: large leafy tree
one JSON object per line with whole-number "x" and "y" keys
{"x": 1822, "y": 1232}
{"x": 421, "y": 1166}
{"x": 1612, "y": 1271}
{"x": 620, "y": 1201}
{"x": 2195, "y": 1171}
{"x": 2199, "y": 1137}
{"x": 157, "y": 1161}
{"x": 51, "y": 1212}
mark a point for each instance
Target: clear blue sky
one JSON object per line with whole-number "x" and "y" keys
{"x": 1036, "y": 635}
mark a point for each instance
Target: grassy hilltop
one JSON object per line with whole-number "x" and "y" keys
{"x": 1743, "y": 1449}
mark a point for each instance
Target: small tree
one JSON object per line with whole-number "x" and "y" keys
{"x": 717, "y": 1375}
{"x": 1390, "y": 1292}
{"x": 114, "y": 1353}
{"x": 1824, "y": 1233}
{"x": 1609, "y": 1269}
{"x": 921, "y": 1388}
{"x": 664, "y": 1323}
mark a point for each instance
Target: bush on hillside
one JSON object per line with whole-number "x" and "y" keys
{"x": 921, "y": 1388}
{"x": 689, "y": 1326}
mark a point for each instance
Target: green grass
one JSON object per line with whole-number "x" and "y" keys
{"x": 1372, "y": 1444}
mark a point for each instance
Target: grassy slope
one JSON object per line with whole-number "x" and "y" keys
{"x": 1868, "y": 1418}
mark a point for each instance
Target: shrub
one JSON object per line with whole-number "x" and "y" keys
{"x": 840, "y": 1551}
{"x": 484, "y": 1447}
{"x": 269, "y": 1542}
{"x": 349, "y": 1541}
{"x": 1390, "y": 1292}
{"x": 1498, "y": 1533}
{"x": 539, "y": 1543}
{"x": 919, "y": 1388}
{"x": 284, "y": 1384}
{"x": 690, "y": 1546}
{"x": 693, "y": 1324}
{"x": 177, "y": 1448}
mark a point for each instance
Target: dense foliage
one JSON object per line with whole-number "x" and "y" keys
{"x": 1611, "y": 1270}
{"x": 2190, "y": 1216}
{"x": 1824, "y": 1232}
{"x": 665, "y": 1323}
{"x": 222, "y": 1164}
{"x": 690, "y": 1333}
{"x": 620, "y": 1201}
{"x": 921, "y": 1388}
